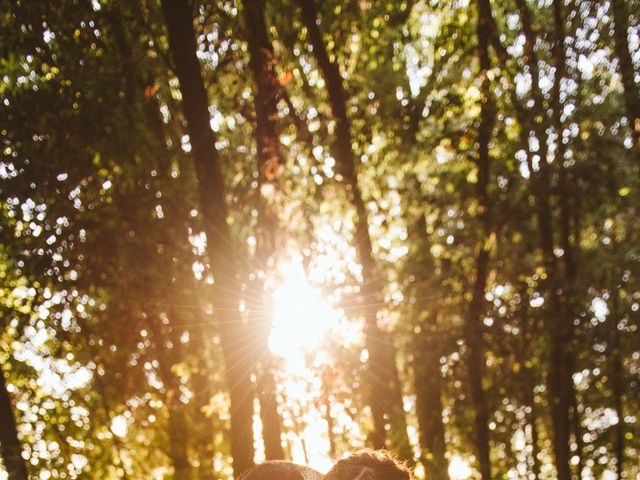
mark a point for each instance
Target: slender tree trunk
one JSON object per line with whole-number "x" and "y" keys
{"x": 178, "y": 437}
{"x": 535, "y": 449}
{"x": 385, "y": 397}
{"x": 269, "y": 415}
{"x": 529, "y": 378}
{"x": 618, "y": 396}
{"x": 9, "y": 443}
{"x": 559, "y": 381}
{"x": 237, "y": 352}
{"x": 617, "y": 383}
{"x": 541, "y": 179}
{"x": 428, "y": 387}
{"x": 474, "y": 330}
{"x": 476, "y": 362}
{"x": 558, "y": 321}
{"x": 205, "y": 445}
{"x": 621, "y": 46}
{"x": 426, "y": 360}
{"x": 570, "y": 248}
{"x": 559, "y": 376}
{"x": 119, "y": 448}
{"x": 576, "y": 424}
{"x": 178, "y": 426}
{"x": 168, "y": 351}
{"x": 262, "y": 64}
{"x": 203, "y": 430}
{"x": 326, "y": 403}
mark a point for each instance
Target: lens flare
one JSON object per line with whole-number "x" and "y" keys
{"x": 301, "y": 318}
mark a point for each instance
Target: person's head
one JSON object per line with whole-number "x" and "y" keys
{"x": 280, "y": 470}
{"x": 369, "y": 464}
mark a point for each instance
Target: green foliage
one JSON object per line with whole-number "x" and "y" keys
{"x": 105, "y": 286}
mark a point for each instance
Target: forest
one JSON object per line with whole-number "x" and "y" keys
{"x": 238, "y": 230}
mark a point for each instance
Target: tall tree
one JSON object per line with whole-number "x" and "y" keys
{"x": 560, "y": 323}
{"x": 262, "y": 64}
{"x": 382, "y": 373}
{"x": 9, "y": 441}
{"x": 220, "y": 247}
{"x": 617, "y": 383}
{"x": 429, "y": 341}
{"x": 474, "y": 330}
{"x": 620, "y": 12}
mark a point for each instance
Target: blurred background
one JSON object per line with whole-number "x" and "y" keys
{"x": 234, "y": 231}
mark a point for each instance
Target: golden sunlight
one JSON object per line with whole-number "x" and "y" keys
{"x": 302, "y": 316}
{"x": 459, "y": 468}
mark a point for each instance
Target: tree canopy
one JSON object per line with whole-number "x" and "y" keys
{"x": 286, "y": 229}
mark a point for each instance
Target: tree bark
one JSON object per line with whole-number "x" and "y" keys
{"x": 617, "y": 382}
{"x": 271, "y": 431}
{"x": 178, "y": 437}
{"x": 381, "y": 367}
{"x": 627, "y": 72}
{"x": 474, "y": 329}
{"x": 428, "y": 387}
{"x": 237, "y": 352}
{"x": 474, "y": 340}
{"x": 262, "y": 64}
{"x": 10, "y": 446}
{"x": 618, "y": 397}
{"x": 533, "y": 423}
{"x": 326, "y": 404}
{"x": 204, "y": 432}
{"x": 560, "y": 326}
{"x": 427, "y": 352}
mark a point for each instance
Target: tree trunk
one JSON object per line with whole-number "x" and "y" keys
{"x": 178, "y": 437}
{"x": 169, "y": 352}
{"x": 535, "y": 449}
{"x": 381, "y": 367}
{"x": 204, "y": 441}
{"x": 9, "y": 443}
{"x": 269, "y": 414}
{"x": 617, "y": 382}
{"x": 529, "y": 374}
{"x": 202, "y": 426}
{"x": 262, "y": 64}
{"x": 560, "y": 379}
{"x": 237, "y": 352}
{"x": 474, "y": 329}
{"x": 178, "y": 427}
{"x": 618, "y": 396}
{"x": 577, "y": 427}
{"x": 621, "y": 46}
{"x": 427, "y": 350}
{"x": 326, "y": 403}
{"x": 428, "y": 386}
{"x": 476, "y": 362}
{"x": 558, "y": 325}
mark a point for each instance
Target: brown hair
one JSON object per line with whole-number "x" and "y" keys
{"x": 279, "y": 470}
{"x": 378, "y": 464}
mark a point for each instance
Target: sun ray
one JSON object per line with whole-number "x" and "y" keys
{"x": 302, "y": 316}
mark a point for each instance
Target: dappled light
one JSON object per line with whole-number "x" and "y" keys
{"x": 240, "y": 231}
{"x": 302, "y": 317}
{"x": 459, "y": 469}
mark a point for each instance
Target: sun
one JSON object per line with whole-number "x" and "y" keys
{"x": 302, "y": 316}
{"x": 459, "y": 468}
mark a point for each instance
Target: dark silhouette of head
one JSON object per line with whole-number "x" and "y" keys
{"x": 280, "y": 470}
{"x": 370, "y": 464}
